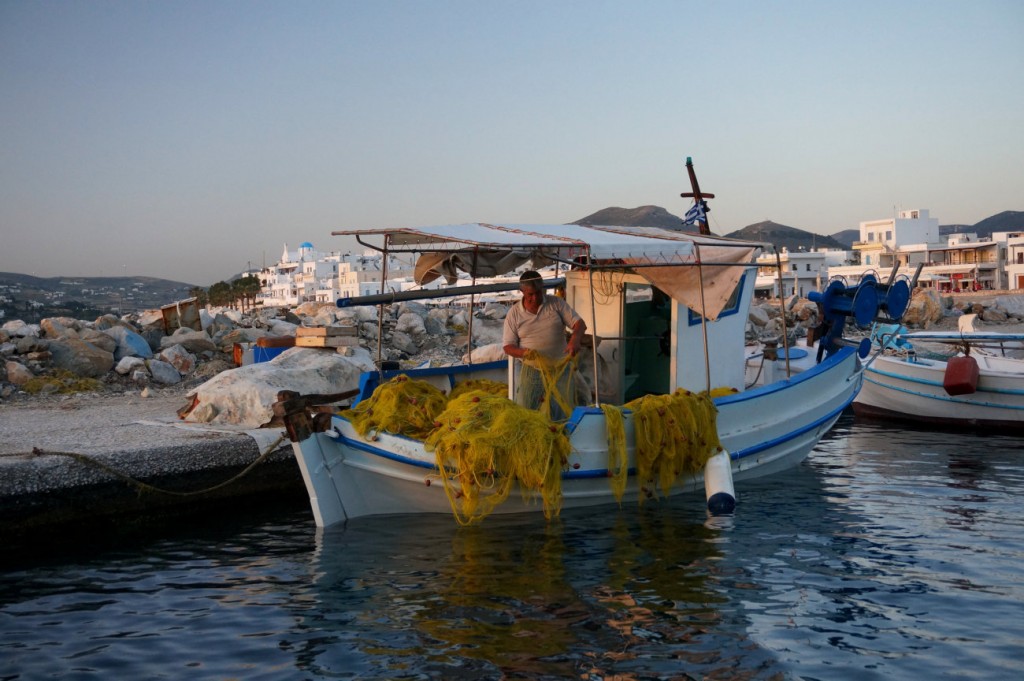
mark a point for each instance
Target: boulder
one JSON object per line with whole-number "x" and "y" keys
{"x": 758, "y": 316}
{"x": 127, "y": 365}
{"x": 494, "y": 311}
{"x": 994, "y": 314}
{"x": 404, "y": 343}
{"x": 925, "y": 308}
{"x": 180, "y": 358}
{"x": 17, "y": 373}
{"x": 193, "y": 341}
{"x": 128, "y": 343}
{"x": 81, "y": 358}
{"x": 435, "y": 325}
{"x": 19, "y": 329}
{"x": 357, "y": 314}
{"x": 411, "y": 307}
{"x": 163, "y": 372}
{"x": 412, "y": 324}
{"x": 99, "y": 339}
{"x": 59, "y": 327}
{"x": 487, "y": 332}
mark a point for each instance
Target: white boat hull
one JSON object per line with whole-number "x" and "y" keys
{"x": 912, "y": 389}
{"x": 766, "y": 431}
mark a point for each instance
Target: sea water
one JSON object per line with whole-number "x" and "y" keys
{"x": 891, "y": 553}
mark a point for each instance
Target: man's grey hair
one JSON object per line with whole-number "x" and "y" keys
{"x": 531, "y": 280}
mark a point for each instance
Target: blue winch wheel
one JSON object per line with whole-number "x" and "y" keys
{"x": 865, "y": 303}
{"x": 897, "y": 299}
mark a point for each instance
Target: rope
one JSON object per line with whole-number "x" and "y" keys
{"x": 146, "y": 487}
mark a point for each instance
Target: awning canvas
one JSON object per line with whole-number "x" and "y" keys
{"x": 678, "y": 263}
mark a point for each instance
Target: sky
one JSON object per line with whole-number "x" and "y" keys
{"x": 193, "y": 140}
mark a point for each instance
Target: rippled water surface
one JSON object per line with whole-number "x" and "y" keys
{"x": 890, "y": 554}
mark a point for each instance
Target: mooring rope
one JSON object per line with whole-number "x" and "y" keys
{"x": 146, "y": 487}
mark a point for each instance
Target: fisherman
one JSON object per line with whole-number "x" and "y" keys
{"x": 537, "y": 323}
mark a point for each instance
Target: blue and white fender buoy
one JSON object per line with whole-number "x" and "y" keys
{"x": 718, "y": 485}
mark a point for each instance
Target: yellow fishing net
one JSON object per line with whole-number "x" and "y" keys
{"x": 485, "y": 384}
{"x": 557, "y": 380}
{"x": 402, "y": 406}
{"x": 675, "y": 435}
{"x": 486, "y": 443}
{"x": 618, "y": 465}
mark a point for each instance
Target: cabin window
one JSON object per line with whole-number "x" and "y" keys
{"x": 731, "y": 307}
{"x": 808, "y": 266}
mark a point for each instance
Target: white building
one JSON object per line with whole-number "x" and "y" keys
{"x": 958, "y": 263}
{"x": 308, "y": 275}
{"x": 1012, "y": 246}
{"x": 802, "y": 271}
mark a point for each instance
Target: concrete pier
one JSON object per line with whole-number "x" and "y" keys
{"x": 91, "y": 460}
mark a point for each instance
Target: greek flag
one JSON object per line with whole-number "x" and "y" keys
{"x": 694, "y": 214}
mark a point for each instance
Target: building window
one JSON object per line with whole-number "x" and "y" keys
{"x": 794, "y": 267}
{"x": 808, "y": 266}
{"x": 888, "y": 235}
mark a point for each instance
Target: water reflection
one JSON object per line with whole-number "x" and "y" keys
{"x": 596, "y": 592}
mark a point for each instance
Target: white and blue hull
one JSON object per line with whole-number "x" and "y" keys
{"x": 765, "y": 431}
{"x": 912, "y": 389}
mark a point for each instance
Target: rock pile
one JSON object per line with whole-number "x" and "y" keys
{"x": 132, "y": 352}
{"x": 927, "y": 309}
{"x": 62, "y": 354}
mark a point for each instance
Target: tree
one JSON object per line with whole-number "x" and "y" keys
{"x": 221, "y": 294}
{"x": 246, "y": 288}
{"x": 199, "y": 293}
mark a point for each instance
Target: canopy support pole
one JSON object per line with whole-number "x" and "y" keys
{"x": 593, "y": 334}
{"x": 703, "y": 320}
{"x": 782, "y": 307}
{"x": 380, "y": 310}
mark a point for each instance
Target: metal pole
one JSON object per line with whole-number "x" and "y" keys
{"x": 593, "y": 334}
{"x": 472, "y": 298}
{"x": 703, "y": 320}
{"x": 426, "y": 294}
{"x": 380, "y": 310}
{"x": 782, "y": 307}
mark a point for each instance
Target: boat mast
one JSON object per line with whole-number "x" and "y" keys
{"x": 698, "y": 198}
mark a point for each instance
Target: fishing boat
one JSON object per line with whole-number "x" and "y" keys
{"x": 666, "y": 314}
{"x": 981, "y": 385}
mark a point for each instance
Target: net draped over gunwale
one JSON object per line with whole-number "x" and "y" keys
{"x": 485, "y": 444}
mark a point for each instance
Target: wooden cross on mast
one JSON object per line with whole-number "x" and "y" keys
{"x": 698, "y": 198}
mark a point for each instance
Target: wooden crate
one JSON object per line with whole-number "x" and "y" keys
{"x": 326, "y": 341}
{"x": 325, "y": 331}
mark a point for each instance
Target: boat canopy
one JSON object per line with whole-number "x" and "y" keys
{"x": 699, "y": 271}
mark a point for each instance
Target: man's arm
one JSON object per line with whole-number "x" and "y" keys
{"x": 576, "y": 339}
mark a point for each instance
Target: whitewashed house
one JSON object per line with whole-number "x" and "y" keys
{"x": 1012, "y": 247}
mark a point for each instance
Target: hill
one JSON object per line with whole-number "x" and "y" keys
{"x": 783, "y": 236}
{"x": 644, "y": 216}
{"x": 1007, "y": 221}
{"x": 847, "y": 237}
{"x": 29, "y": 298}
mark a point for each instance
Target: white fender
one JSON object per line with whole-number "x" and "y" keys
{"x": 718, "y": 487}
